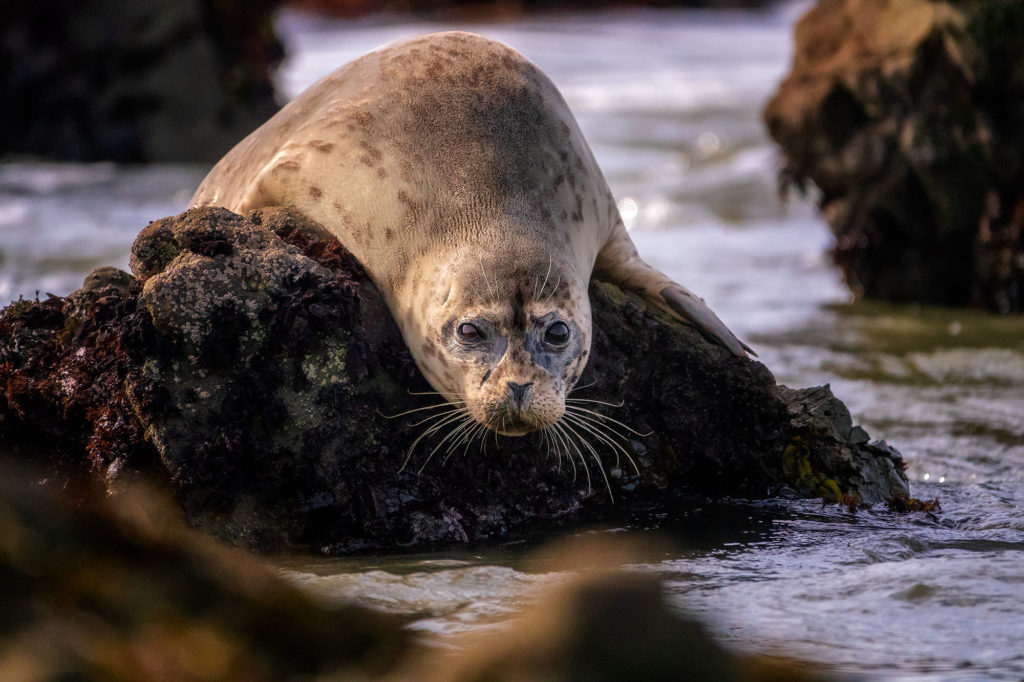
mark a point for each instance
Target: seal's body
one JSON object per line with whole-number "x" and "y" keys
{"x": 451, "y": 167}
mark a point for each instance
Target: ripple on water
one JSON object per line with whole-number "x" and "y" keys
{"x": 891, "y": 596}
{"x": 59, "y": 221}
{"x": 934, "y": 612}
{"x": 904, "y": 594}
{"x": 445, "y": 601}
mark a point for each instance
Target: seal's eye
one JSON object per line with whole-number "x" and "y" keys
{"x": 557, "y": 334}
{"x": 469, "y": 332}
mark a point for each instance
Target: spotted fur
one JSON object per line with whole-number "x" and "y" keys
{"x": 453, "y": 170}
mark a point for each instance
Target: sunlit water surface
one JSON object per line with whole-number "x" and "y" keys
{"x": 670, "y": 101}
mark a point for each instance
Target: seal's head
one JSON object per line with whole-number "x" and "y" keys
{"x": 506, "y": 340}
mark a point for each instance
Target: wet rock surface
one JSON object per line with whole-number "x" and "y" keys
{"x": 907, "y": 116}
{"x": 251, "y": 368}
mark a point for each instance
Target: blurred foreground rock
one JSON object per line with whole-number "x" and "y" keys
{"x": 908, "y": 116}
{"x": 249, "y": 364}
{"x": 119, "y": 589}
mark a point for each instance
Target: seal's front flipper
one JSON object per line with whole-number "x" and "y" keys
{"x": 618, "y": 262}
{"x": 694, "y": 310}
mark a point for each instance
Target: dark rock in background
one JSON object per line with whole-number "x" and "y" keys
{"x": 909, "y": 118}
{"x": 169, "y": 80}
{"x": 152, "y": 80}
{"x": 249, "y": 366}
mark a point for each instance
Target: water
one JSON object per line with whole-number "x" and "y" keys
{"x": 669, "y": 100}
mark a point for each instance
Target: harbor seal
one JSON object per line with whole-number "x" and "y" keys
{"x": 451, "y": 167}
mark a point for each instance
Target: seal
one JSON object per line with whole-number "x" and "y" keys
{"x": 453, "y": 170}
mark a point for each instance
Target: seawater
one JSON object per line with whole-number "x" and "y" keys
{"x": 670, "y": 102}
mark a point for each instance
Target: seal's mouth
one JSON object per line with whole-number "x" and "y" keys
{"x": 516, "y": 428}
{"x": 510, "y": 422}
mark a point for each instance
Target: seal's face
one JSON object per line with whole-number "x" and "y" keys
{"x": 517, "y": 364}
{"x": 509, "y": 355}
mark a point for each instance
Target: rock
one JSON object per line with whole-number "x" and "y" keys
{"x": 151, "y": 80}
{"x": 907, "y": 116}
{"x": 253, "y": 369}
{"x": 119, "y": 589}
{"x": 96, "y": 587}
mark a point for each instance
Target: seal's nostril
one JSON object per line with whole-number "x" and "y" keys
{"x": 519, "y": 390}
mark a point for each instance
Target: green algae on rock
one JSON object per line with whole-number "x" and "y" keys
{"x": 252, "y": 368}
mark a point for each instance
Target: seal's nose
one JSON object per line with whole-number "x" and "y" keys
{"x": 519, "y": 392}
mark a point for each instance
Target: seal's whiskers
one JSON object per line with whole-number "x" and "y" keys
{"x": 562, "y": 449}
{"x": 439, "y": 415}
{"x": 561, "y": 427}
{"x": 440, "y": 393}
{"x": 490, "y": 289}
{"x": 593, "y": 453}
{"x": 604, "y": 417}
{"x": 580, "y": 387}
{"x": 546, "y": 443}
{"x": 603, "y": 433}
{"x": 467, "y": 437}
{"x": 555, "y": 444}
{"x": 466, "y": 422}
{"x": 537, "y": 292}
{"x": 568, "y": 453}
{"x": 553, "y": 289}
{"x": 421, "y": 409}
{"x": 443, "y": 419}
{"x": 590, "y": 400}
{"x": 592, "y": 429}
{"x": 551, "y": 444}
{"x": 574, "y": 435}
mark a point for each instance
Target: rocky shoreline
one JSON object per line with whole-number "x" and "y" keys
{"x": 250, "y": 368}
